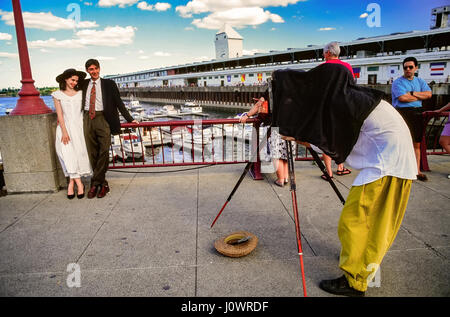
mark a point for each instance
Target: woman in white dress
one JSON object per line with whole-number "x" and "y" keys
{"x": 70, "y": 144}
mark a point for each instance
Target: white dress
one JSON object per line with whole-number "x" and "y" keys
{"x": 73, "y": 155}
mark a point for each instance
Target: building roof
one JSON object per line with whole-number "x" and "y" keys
{"x": 230, "y": 32}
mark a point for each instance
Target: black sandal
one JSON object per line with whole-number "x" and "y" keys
{"x": 344, "y": 171}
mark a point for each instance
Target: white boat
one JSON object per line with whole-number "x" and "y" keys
{"x": 133, "y": 104}
{"x": 153, "y": 138}
{"x": 188, "y": 136}
{"x": 8, "y": 110}
{"x": 139, "y": 109}
{"x": 136, "y": 116}
{"x": 157, "y": 112}
{"x": 169, "y": 109}
{"x": 116, "y": 155}
{"x": 129, "y": 144}
{"x": 190, "y": 106}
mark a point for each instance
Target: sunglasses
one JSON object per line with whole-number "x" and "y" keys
{"x": 408, "y": 67}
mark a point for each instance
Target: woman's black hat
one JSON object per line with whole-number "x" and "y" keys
{"x": 69, "y": 73}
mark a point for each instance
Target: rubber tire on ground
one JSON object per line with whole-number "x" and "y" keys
{"x": 238, "y": 250}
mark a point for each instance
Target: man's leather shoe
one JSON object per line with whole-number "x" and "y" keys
{"x": 92, "y": 192}
{"x": 103, "y": 190}
{"x": 340, "y": 286}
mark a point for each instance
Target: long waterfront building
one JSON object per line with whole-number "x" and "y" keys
{"x": 375, "y": 60}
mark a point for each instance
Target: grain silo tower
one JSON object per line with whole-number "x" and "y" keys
{"x": 228, "y": 43}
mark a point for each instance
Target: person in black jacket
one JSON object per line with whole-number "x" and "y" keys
{"x": 101, "y": 100}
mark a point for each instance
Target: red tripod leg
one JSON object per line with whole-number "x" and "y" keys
{"x": 295, "y": 210}
{"x": 299, "y": 240}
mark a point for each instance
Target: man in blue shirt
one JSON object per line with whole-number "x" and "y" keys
{"x": 408, "y": 92}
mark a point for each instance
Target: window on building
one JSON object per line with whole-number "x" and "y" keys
{"x": 373, "y": 68}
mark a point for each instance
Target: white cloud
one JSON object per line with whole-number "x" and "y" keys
{"x": 237, "y": 13}
{"x": 189, "y": 28}
{"x": 43, "y": 50}
{"x": 5, "y": 36}
{"x": 9, "y": 55}
{"x": 46, "y": 21}
{"x": 326, "y": 29}
{"x": 120, "y": 3}
{"x": 86, "y": 25}
{"x": 105, "y": 58}
{"x": 144, "y": 57}
{"x": 198, "y": 59}
{"x": 110, "y": 36}
{"x": 159, "y": 6}
{"x": 237, "y": 17}
{"x": 145, "y": 6}
{"x": 364, "y": 15}
{"x": 162, "y": 6}
{"x": 162, "y": 54}
{"x": 88, "y": 3}
{"x": 202, "y": 6}
{"x": 54, "y": 43}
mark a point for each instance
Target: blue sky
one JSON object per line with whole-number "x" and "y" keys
{"x": 132, "y": 35}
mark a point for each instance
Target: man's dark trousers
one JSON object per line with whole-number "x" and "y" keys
{"x": 98, "y": 142}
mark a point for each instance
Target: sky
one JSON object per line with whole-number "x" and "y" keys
{"x": 133, "y": 35}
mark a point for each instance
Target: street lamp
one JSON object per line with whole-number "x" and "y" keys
{"x": 29, "y": 101}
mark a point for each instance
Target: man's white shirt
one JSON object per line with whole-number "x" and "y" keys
{"x": 98, "y": 95}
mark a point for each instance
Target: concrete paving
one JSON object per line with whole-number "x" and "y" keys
{"x": 151, "y": 236}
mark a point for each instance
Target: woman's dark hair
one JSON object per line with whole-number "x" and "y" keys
{"x": 410, "y": 59}
{"x": 63, "y": 85}
{"x": 92, "y": 62}
{"x": 68, "y": 73}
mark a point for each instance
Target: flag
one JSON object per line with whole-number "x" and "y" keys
{"x": 259, "y": 77}
{"x": 242, "y": 77}
{"x": 356, "y": 71}
{"x": 437, "y": 69}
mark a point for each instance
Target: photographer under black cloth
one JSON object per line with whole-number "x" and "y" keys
{"x": 351, "y": 123}
{"x": 323, "y": 106}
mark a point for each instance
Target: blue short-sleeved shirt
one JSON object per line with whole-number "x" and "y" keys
{"x": 402, "y": 86}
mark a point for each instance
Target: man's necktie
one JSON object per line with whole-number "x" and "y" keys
{"x": 92, "y": 102}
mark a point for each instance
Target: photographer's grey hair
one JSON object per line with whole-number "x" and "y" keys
{"x": 333, "y": 48}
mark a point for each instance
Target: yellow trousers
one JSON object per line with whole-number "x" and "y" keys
{"x": 369, "y": 223}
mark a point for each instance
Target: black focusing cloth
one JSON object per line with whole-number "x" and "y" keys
{"x": 322, "y": 106}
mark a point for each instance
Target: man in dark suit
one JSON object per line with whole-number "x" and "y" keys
{"x": 101, "y": 100}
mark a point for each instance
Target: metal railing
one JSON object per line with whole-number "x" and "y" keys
{"x": 221, "y": 141}
{"x": 434, "y": 124}
{"x": 189, "y": 142}
{"x": 185, "y": 142}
